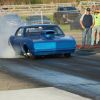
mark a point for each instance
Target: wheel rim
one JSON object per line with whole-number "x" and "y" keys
{"x": 30, "y": 55}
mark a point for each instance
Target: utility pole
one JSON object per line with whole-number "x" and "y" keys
{"x": 42, "y": 15}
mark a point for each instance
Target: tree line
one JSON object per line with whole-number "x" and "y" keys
{"x": 23, "y": 2}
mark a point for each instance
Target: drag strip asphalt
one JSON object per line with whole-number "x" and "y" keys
{"x": 79, "y": 74}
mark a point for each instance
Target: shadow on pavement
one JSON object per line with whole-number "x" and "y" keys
{"x": 86, "y": 51}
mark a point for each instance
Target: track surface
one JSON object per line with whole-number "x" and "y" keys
{"x": 79, "y": 74}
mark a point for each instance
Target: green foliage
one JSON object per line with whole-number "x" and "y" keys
{"x": 35, "y": 1}
{"x": 24, "y": 17}
{"x": 51, "y": 17}
{"x": 66, "y": 28}
{"x": 20, "y": 2}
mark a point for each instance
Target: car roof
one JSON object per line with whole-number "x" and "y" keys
{"x": 11, "y": 14}
{"x": 36, "y": 15}
{"x": 37, "y": 25}
{"x": 65, "y": 6}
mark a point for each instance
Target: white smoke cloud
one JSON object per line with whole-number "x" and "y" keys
{"x": 5, "y": 50}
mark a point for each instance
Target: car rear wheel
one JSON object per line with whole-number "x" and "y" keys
{"x": 67, "y": 55}
{"x": 30, "y": 55}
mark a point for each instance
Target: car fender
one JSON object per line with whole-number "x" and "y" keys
{"x": 10, "y": 40}
{"x": 71, "y": 38}
{"x": 28, "y": 43}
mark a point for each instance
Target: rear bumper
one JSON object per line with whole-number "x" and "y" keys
{"x": 51, "y": 52}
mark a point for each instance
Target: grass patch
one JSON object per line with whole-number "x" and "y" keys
{"x": 24, "y": 17}
{"x": 65, "y": 28}
{"x": 51, "y": 17}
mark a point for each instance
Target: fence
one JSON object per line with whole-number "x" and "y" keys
{"x": 46, "y": 8}
{"x": 34, "y": 8}
{"x": 84, "y": 4}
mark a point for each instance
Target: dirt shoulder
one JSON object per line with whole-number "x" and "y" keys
{"x": 10, "y": 81}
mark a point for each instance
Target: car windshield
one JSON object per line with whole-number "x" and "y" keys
{"x": 37, "y": 18}
{"x": 68, "y": 8}
{"x": 32, "y": 31}
{"x": 11, "y": 17}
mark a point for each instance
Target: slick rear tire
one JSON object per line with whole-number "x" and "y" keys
{"x": 30, "y": 55}
{"x": 67, "y": 55}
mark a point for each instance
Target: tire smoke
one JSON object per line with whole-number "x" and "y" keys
{"x": 5, "y": 33}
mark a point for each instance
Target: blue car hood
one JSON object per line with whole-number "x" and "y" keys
{"x": 56, "y": 43}
{"x": 59, "y": 43}
{"x": 55, "y": 39}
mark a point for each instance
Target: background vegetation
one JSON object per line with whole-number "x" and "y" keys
{"x": 20, "y": 2}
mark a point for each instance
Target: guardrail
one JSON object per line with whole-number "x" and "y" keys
{"x": 34, "y": 8}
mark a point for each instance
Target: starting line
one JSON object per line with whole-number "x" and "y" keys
{"x": 48, "y": 93}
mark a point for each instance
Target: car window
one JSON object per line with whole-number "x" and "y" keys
{"x": 62, "y": 9}
{"x": 57, "y": 30}
{"x": 32, "y": 31}
{"x": 69, "y": 8}
{"x": 11, "y": 17}
{"x": 37, "y": 18}
{"x": 19, "y": 33}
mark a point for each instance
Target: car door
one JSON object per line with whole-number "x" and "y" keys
{"x": 18, "y": 39}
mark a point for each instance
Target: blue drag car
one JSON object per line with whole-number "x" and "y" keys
{"x": 40, "y": 40}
